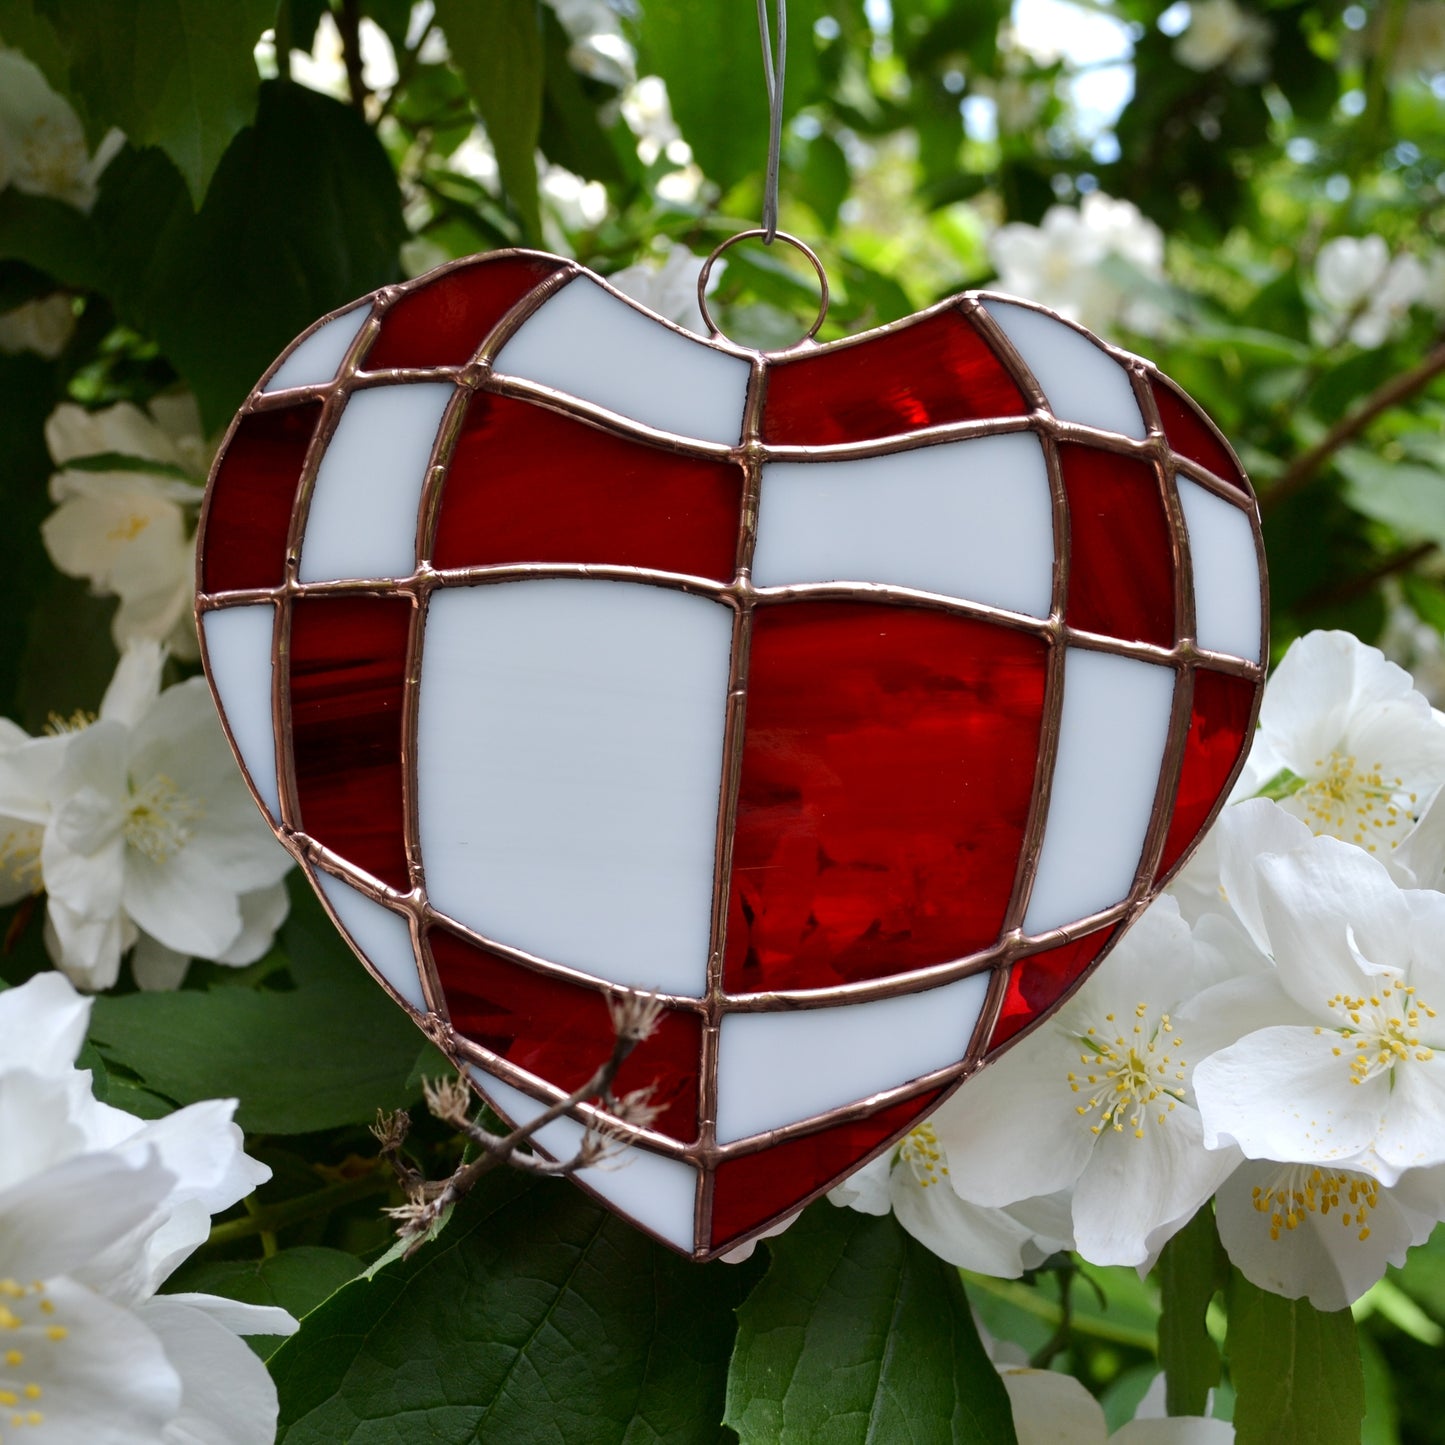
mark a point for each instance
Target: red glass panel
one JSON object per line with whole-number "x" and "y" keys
{"x": 935, "y": 371}
{"x": 562, "y": 1031}
{"x": 1121, "y": 561}
{"x": 348, "y": 659}
{"x": 249, "y": 512}
{"x": 755, "y": 1187}
{"x": 530, "y": 485}
{"x": 888, "y": 763}
{"x": 1191, "y": 434}
{"x": 1040, "y": 980}
{"x": 444, "y": 322}
{"x": 1218, "y": 733}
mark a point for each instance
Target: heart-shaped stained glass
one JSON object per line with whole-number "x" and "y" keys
{"x": 853, "y": 699}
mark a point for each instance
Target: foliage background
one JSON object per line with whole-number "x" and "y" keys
{"x": 246, "y": 202}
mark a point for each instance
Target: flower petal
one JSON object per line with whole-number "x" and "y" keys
{"x": 1285, "y": 1093}
{"x": 43, "y": 1023}
{"x": 1321, "y": 1256}
{"x": 227, "y": 1398}
{"x": 1050, "y": 1408}
{"x": 1135, "y": 1188}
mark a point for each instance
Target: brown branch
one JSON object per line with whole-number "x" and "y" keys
{"x": 633, "y": 1019}
{"x": 1301, "y": 471}
{"x": 1366, "y": 582}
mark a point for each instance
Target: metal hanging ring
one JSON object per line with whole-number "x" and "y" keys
{"x": 760, "y": 233}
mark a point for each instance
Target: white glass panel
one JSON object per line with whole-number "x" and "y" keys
{"x": 1111, "y": 747}
{"x": 779, "y": 1068}
{"x": 969, "y": 519}
{"x": 381, "y": 934}
{"x": 319, "y": 357}
{"x": 238, "y": 657}
{"x": 656, "y": 1191}
{"x": 1226, "y": 573}
{"x": 1082, "y": 382}
{"x": 569, "y": 759}
{"x": 362, "y": 521}
{"x": 585, "y": 341}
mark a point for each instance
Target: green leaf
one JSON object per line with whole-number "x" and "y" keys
{"x": 572, "y": 133}
{"x": 711, "y": 59}
{"x": 1283, "y": 784}
{"x": 303, "y": 216}
{"x": 497, "y": 46}
{"x": 1296, "y": 1370}
{"x": 1191, "y": 1269}
{"x": 178, "y": 74}
{"x": 297, "y": 1280}
{"x": 1405, "y": 495}
{"x": 536, "y": 1318}
{"x": 51, "y": 236}
{"x": 858, "y": 1334}
{"x": 823, "y": 179}
{"x": 332, "y": 1051}
{"x": 24, "y": 29}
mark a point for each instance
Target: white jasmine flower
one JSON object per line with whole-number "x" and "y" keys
{"x": 1057, "y": 262}
{"x": 1349, "y": 1070}
{"x": 323, "y": 67}
{"x": 129, "y": 531}
{"x": 144, "y": 826}
{"x": 1220, "y": 33}
{"x": 1103, "y": 1092}
{"x": 668, "y": 285}
{"x": 44, "y": 326}
{"x": 1322, "y": 1232}
{"x": 1364, "y": 291}
{"x": 648, "y": 113}
{"x": 1346, "y": 743}
{"x": 97, "y": 1208}
{"x": 912, "y": 1181}
{"x": 42, "y": 143}
{"x": 599, "y": 48}
{"x": 573, "y": 204}
{"x": 1050, "y": 1408}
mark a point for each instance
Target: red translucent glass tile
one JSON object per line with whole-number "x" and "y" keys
{"x": 348, "y": 659}
{"x": 1219, "y": 728}
{"x": 444, "y": 322}
{"x": 1190, "y": 433}
{"x": 1121, "y": 560}
{"x": 754, "y": 1188}
{"x": 888, "y": 764}
{"x": 249, "y": 511}
{"x": 562, "y": 1031}
{"x": 530, "y": 485}
{"x": 935, "y": 371}
{"x": 1040, "y": 980}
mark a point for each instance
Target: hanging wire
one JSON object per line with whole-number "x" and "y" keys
{"x": 774, "y": 68}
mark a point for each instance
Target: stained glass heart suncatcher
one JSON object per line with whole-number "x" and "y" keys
{"x": 854, "y": 698}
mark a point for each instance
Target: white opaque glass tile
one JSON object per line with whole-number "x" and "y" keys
{"x": 657, "y": 1191}
{"x": 970, "y": 519}
{"x": 591, "y": 344}
{"x": 362, "y": 521}
{"x": 381, "y": 934}
{"x": 1226, "y": 573}
{"x": 1081, "y": 381}
{"x": 780, "y": 1068}
{"x": 319, "y": 357}
{"x": 1106, "y": 773}
{"x": 569, "y": 765}
{"x": 238, "y": 657}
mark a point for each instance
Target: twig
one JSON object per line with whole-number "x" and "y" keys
{"x": 634, "y": 1017}
{"x": 1366, "y": 582}
{"x": 1302, "y": 470}
{"x": 348, "y": 22}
